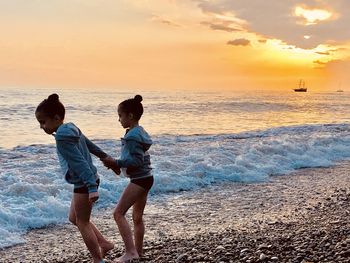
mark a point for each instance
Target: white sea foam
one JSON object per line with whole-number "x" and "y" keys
{"x": 34, "y": 194}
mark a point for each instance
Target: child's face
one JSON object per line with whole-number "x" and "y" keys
{"x": 48, "y": 124}
{"x": 126, "y": 119}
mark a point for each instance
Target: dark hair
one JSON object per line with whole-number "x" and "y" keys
{"x": 52, "y": 106}
{"x": 133, "y": 106}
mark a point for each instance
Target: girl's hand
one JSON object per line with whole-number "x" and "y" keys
{"x": 93, "y": 197}
{"x": 109, "y": 162}
{"x": 116, "y": 170}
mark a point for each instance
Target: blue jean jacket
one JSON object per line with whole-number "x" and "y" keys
{"x": 135, "y": 159}
{"x": 74, "y": 150}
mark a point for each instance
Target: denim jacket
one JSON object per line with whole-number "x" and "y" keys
{"x": 135, "y": 161}
{"x": 74, "y": 150}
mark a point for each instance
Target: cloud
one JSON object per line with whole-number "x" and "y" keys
{"x": 220, "y": 26}
{"x": 279, "y": 20}
{"x": 165, "y": 21}
{"x": 339, "y": 49}
{"x": 324, "y": 53}
{"x": 239, "y": 42}
{"x": 319, "y": 62}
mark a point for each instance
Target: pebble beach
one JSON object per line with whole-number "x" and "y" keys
{"x": 301, "y": 217}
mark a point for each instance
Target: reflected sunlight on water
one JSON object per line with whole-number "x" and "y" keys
{"x": 173, "y": 113}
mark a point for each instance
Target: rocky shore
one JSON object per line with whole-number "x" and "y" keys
{"x": 301, "y": 218}
{"x": 322, "y": 235}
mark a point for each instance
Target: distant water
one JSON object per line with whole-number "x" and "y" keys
{"x": 201, "y": 138}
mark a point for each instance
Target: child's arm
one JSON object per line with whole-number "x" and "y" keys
{"x": 77, "y": 163}
{"x": 94, "y": 149}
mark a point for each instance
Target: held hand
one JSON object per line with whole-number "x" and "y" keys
{"x": 116, "y": 170}
{"x": 93, "y": 197}
{"x": 109, "y": 162}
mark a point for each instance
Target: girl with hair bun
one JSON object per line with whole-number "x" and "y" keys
{"x": 73, "y": 150}
{"x": 134, "y": 163}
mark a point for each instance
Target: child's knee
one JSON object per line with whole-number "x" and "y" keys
{"x": 118, "y": 215}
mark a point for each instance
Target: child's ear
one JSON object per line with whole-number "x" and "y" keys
{"x": 131, "y": 116}
{"x": 57, "y": 118}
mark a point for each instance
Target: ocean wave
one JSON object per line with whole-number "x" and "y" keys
{"x": 34, "y": 194}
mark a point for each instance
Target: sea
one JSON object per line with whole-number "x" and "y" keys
{"x": 200, "y": 139}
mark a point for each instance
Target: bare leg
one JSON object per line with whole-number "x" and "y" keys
{"x": 139, "y": 227}
{"x": 82, "y": 210}
{"x": 130, "y": 195}
{"x": 104, "y": 244}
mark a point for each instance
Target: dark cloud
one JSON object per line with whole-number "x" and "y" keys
{"x": 220, "y": 26}
{"x": 319, "y": 62}
{"x": 324, "y": 53}
{"x": 239, "y": 42}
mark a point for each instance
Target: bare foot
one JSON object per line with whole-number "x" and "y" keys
{"x": 127, "y": 257}
{"x": 105, "y": 247}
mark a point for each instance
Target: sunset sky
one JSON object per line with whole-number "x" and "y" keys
{"x": 170, "y": 44}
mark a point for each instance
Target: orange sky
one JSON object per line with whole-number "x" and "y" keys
{"x": 169, "y": 44}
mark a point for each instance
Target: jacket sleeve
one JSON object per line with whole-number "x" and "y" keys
{"x": 135, "y": 157}
{"x": 77, "y": 163}
{"x": 94, "y": 149}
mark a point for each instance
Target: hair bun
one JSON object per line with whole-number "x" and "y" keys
{"x": 138, "y": 98}
{"x": 53, "y": 97}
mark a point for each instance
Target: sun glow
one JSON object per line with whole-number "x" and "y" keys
{"x": 291, "y": 54}
{"x": 312, "y": 16}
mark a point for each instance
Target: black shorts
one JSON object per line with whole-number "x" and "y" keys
{"x": 84, "y": 189}
{"x": 146, "y": 183}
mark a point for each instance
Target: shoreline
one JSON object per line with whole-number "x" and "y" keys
{"x": 290, "y": 218}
